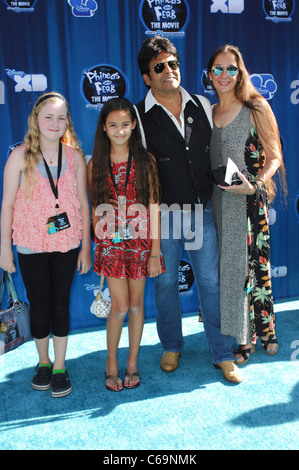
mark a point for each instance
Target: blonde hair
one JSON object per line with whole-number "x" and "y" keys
{"x": 247, "y": 94}
{"x": 32, "y": 139}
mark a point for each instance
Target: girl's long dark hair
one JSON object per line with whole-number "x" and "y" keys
{"x": 145, "y": 165}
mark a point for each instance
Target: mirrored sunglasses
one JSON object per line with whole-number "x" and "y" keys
{"x": 232, "y": 70}
{"x": 173, "y": 64}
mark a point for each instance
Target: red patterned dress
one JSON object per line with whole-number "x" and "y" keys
{"x": 127, "y": 257}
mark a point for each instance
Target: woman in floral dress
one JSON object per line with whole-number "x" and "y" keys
{"x": 245, "y": 130}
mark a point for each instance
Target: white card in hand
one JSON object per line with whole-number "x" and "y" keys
{"x": 231, "y": 168}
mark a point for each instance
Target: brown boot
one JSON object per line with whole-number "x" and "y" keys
{"x": 231, "y": 373}
{"x": 169, "y": 361}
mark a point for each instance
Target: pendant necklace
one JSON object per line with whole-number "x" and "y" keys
{"x": 220, "y": 120}
{"x": 50, "y": 158}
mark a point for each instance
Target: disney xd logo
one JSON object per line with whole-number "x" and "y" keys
{"x": 26, "y": 82}
{"x": 227, "y": 6}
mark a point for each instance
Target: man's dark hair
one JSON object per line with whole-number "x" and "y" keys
{"x": 152, "y": 47}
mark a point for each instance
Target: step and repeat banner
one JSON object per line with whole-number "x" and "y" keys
{"x": 87, "y": 50}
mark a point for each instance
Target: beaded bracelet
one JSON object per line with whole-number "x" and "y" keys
{"x": 151, "y": 256}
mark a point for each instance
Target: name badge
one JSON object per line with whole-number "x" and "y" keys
{"x": 57, "y": 223}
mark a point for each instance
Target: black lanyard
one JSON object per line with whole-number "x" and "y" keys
{"x": 127, "y": 174}
{"x": 54, "y": 188}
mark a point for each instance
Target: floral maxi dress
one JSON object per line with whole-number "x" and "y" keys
{"x": 244, "y": 315}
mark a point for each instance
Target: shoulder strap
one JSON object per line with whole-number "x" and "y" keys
{"x": 101, "y": 283}
{"x": 2, "y": 286}
{"x": 11, "y": 288}
{"x": 11, "y": 291}
{"x": 99, "y": 294}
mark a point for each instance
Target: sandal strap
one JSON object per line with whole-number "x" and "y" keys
{"x": 267, "y": 342}
{"x": 244, "y": 352}
{"x": 130, "y": 375}
{"x": 114, "y": 377}
{"x": 270, "y": 341}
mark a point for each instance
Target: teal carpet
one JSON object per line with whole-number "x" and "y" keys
{"x": 190, "y": 409}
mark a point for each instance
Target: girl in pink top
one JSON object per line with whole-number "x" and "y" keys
{"x": 45, "y": 210}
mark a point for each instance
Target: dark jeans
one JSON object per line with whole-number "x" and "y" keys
{"x": 48, "y": 280}
{"x": 204, "y": 262}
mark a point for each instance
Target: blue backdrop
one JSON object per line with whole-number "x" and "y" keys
{"x": 87, "y": 50}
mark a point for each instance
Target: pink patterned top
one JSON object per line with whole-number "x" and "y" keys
{"x": 31, "y": 214}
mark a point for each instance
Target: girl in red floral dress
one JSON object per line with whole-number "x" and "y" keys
{"x": 124, "y": 193}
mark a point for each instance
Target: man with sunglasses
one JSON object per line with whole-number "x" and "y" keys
{"x": 176, "y": 127}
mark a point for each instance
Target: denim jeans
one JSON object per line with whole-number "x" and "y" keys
{"x": 205, "y": 266}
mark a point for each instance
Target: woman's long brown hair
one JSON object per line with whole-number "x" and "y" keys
{"x": 247, "y": 94}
